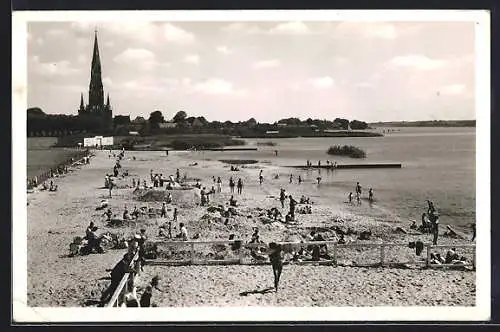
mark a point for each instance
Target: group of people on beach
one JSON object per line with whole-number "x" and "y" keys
{"x": 358, "y": 190}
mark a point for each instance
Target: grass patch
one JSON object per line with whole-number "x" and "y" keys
{"x": 347, "y": 150}
{"x": 239, "y": 161}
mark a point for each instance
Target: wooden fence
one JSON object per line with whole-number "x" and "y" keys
{"x": 334, "y": 248}
{"x": 119, "y": 295}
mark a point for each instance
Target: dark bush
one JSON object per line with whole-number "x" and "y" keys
{"x": 347, "y": 150}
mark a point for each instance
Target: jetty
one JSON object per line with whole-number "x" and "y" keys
{"x": 350, "y": 166}
{"x": 233, "y": 149}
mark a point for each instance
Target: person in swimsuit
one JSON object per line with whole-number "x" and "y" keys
{"x": 275, "y": 256}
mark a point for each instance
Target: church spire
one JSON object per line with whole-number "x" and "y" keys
{"x": 96, "y": 93}
{"x": 82, "y": 104}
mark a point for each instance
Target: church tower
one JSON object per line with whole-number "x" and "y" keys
{"x": 100, "y": 113}
{"x": 96, "y": 91}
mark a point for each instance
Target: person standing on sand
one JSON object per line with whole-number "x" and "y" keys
{"x": 318, "y": 179}
{"x": 240, "y": 186}
{"x": 358, "y": 198}
{"x": 177, "y": 175}
{"x": 293, "y": 203}
{"x": 370, "y": 195}
{"x": 350, "y": 197}
{"x": 275, "y": 256}
{"x": 291, "y": 178}
{"x": 282, "y": 198}
{"x": 434, "y": 219}
{"x": 231, "y": 185}
{"x": 163, "y": 212}
{"x": 300, "y": 179}
{"x": 261, "y": 178}
{"x": 219, "y": 184}
{"x": 276, "y": 152}
{"x": 110, "y": 185}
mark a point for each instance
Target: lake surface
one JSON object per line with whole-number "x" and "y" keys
{"x": 438, "y": 164}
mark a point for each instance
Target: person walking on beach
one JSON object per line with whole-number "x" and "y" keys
{"x": 291, "y": 178}
{"x": 358, "y": 198}
{"x": 282, "y": 198}
{"x": 240, "y": 186}
{"x": 231, "y": 185}
{"x": 370, "y": 195}
{"x": 110, "y": 186}
{"x": 177, "y": 175}
{"x": 275, "y": 256}
{"x": 163, "y": 213}
{"x": 350, "y": 197}
{"x": 219, "y": 184}
{"x": 300, "y": 179}
{"x": 175, "y": 215}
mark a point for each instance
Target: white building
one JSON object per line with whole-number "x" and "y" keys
{"x": 97, "y": 141}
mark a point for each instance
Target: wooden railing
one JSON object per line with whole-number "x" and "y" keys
{"x": 333, "y": 249}
{"x": 118, "y": 296}
{"x": 45, "y": 175}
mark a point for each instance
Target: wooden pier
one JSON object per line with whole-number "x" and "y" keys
{"x": 349, "y": 166}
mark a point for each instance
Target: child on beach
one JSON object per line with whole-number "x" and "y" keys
{"x": 318, "y": 179}
{"x": 275, "y": 256}
{"x": 358, "y": 188}
{"x": 175, "y": 214}
{"x": 261, "y": 179}
{"x": 219, "y": 184}
{"x": 291, "y": 178}
{"x": 282, "y": 198}
{"x": 358, "y": 198}
{"x": 370, "y": 195}
{"x": 350, "y": 197}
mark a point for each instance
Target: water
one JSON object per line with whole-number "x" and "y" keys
{"x": 438, "y": 164}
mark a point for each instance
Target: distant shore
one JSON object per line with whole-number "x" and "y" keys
{"x": 435, "y": 123}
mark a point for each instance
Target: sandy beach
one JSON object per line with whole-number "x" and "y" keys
{"x": 55, "y": 218}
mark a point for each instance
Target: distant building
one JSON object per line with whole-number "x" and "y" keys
{"x": 167, "y": 125}
{"x": 97, "y": 141}
{"x": 96, "y": 109}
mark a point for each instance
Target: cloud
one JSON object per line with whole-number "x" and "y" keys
{"x": 107, "y": 82}
{"x": 242, "y": 28}
{"x": 420, "y": 62}
{"x": 452, "y": 89}
{"x": 379, "y": 30}
{"x": 266, "y": 64}
{"x": 192, "y": 59}
{"x": 81, "y": 59}
{"x": 52, "y": 69}
{"x": 56, "y": 33}
{"x": 216, "y": 86}
{"x": 140, "y": 31}
{"x": 322, "y": 82}
{"x": 223, "y": 50}
{"x": 140, "y": 57}
{"x": 176, "y": 34}
{"x": 295, "y": 28}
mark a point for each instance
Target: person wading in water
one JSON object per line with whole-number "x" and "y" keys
{"x": 275, "y": 256}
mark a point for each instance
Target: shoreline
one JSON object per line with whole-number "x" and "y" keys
{"x": 55, "y": 218}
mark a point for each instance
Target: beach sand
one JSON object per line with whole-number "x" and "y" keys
{"x": 54, "y": 218}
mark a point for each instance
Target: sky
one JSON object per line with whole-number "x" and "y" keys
{"x": 370, "y": 71}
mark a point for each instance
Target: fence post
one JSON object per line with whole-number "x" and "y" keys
{"x": 428, "y": 258}
{"x": 240, "y": 253}
{"x": 335, "y": 254}
{"x": 382, "y": 254}
{"x": 192, "y": 253}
